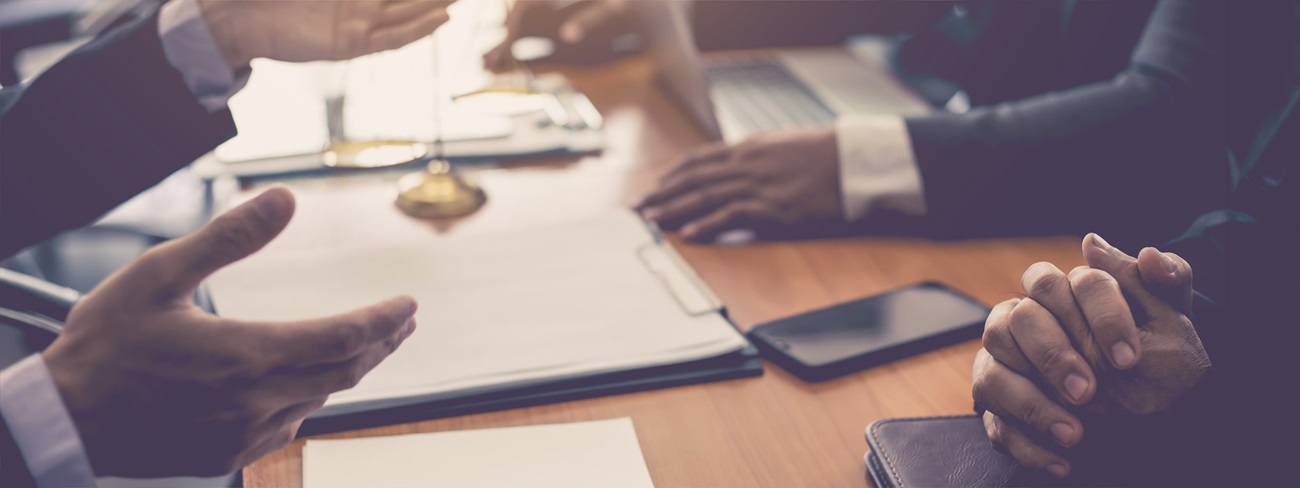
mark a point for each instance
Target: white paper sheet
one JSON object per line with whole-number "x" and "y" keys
{"x": 496, "y": 311}
{"x": 600, "y": 454}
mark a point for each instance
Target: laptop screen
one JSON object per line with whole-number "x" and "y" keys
{"x": 672, "y": 47}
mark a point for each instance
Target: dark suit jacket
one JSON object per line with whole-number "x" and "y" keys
{"x": 1194, "y": 121}
{"x": 1239, "y": 426}
{"x": 107, "y": 122}
{"x": 1078, "y": 129}
{"x": 1126, "y": 98}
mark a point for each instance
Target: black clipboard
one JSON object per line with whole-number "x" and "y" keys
{"x": 659, "y": 257}
{"x": 740, "y": 364}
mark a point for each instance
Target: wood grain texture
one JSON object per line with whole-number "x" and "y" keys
{"x": 771, "y": 431}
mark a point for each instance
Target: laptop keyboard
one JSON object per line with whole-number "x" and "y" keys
{"x": 763, "y": 96}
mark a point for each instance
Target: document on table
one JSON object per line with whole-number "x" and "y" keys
{"x": 599, "y": 454}
{"x": 497, "y": 311}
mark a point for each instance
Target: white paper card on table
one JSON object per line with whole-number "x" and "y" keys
{"x": 496, "y": 311}
{"x": 599, "y": 454}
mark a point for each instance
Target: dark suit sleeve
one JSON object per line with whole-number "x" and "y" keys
{"x": 1086, "y": 159}
{"x": 721, "y": 25}
{"x": 13, "y": 468}
{"x": 107, "y": 122}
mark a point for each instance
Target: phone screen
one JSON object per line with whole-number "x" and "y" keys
{"x": 927, "y": 315}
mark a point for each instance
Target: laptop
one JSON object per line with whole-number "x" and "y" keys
{"x": 733, "y": 95}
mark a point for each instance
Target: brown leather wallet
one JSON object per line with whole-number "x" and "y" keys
{"x": 942, "y": 452}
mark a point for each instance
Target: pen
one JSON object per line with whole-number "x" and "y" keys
{"x": 45, "y": 303}
{"x": 39, "y": 322}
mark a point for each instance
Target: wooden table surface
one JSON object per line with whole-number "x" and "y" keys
{"x": 769, "y": 431}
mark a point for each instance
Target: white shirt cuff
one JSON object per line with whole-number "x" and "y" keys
{"x": 190, "y": 48}
{"x": 877, "y": 166}
{"x": 41, "y": 426}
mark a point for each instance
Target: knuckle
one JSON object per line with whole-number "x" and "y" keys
{"x": 979, "y": 385}
{"x": 996, "y": 433}
{"x": 1031, "y": 412}
{"x": 1107, "y": 321}
{"x": 1045, "y": 280}
{"x": 996, "y": 334}
{"x": 1056, "y": 360}
{"x": 977, "y": 390}
{"x": 984, "y": 387}
{"x": 1024, "y": 313}
{"x": 1090, "y": 282}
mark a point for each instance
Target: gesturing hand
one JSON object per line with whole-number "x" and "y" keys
{"x": 770, "y": 181}
{"x": 316, "y": 30}
{"x": 156, "y": 387}
{"x": 1113, "y": 338}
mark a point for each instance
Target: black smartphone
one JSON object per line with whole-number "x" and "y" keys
{"x": 849, "y": 337}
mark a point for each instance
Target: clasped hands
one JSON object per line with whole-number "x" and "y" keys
{"x": 1113, "y": 338}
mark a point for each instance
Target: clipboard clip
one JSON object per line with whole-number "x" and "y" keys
{"x": 683, "y": 283}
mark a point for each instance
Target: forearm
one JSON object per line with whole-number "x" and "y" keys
{"x": 39, "y": 444}
{"x": 108, "y": 121}
{"x": 1033, "y": 158}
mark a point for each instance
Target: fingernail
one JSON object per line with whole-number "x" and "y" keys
{"x": 1076, "y": 386}
{"x": 1100, "y": 243}
{"x": 410, "y": 328}
{"x": 1063, "y": 432}
{"x": 1123, "y": 354}
{"x": 272, "y": 204}
{"x": 1169, "y": 263}
{"x": 653, "y": 214}
{"x": 689, "y": 230}
{"x": 1057, "y": 470}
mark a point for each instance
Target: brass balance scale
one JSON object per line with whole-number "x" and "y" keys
{"x": 439, "y": 191}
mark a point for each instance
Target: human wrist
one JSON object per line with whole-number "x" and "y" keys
{"x": 877, "y": 166}
{"x": 39, "y": 427}
{"x": 77, "y": 395}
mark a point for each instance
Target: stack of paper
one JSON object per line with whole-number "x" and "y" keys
{"x": 497, "y": 312}
{"x": 601, "y": 454}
